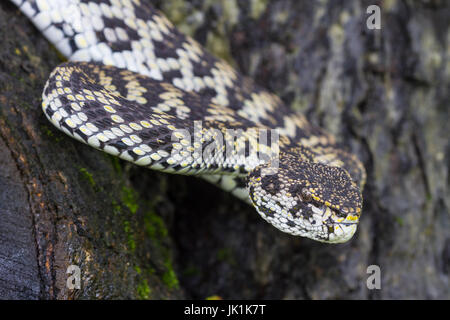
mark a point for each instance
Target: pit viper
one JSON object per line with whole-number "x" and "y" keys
{"x": 137, "y": 88}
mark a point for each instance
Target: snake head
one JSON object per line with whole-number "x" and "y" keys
{"x": 308, "y": 199}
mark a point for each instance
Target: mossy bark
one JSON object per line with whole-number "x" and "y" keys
{"x": 136, "y": 233}
{"x": 63, "y": 203}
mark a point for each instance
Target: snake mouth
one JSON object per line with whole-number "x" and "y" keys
{"x": 338, "y": 228}
{"x": 340, "y": 231}
{"x": 346, "y": 223}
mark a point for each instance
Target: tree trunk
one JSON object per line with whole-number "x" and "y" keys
{"x": 136, "y": 233}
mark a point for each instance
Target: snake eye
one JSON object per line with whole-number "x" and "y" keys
{"x": 306, "y": 195}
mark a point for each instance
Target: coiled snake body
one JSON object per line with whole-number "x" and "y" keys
{"x": 139, "y": 89}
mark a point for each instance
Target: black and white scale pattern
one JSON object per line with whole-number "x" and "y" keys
{"x": 136, "y": 83}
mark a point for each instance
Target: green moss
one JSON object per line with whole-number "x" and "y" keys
{"x": 154, "y": 226}
{"x": 49, "y": 133}
{"x": 400, "y": 221}
{"x": 116, "y": 163}
{"x": 150, "y": 270}
{"x": 129, "y": 199}
{"x": 137, "y": 269}
{"x": 88, "y": 176}
{"x": 157, "y": 231}
{"x": 130, "y": 236}
{"x": 143, "y": 290}
{"x": 116, "y": 207}
{"x": 169, "y": 277}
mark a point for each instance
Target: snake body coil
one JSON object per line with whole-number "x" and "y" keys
{"x": 138, "y": 89}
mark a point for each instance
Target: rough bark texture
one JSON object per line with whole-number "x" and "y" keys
{"x": 136, "y": 233}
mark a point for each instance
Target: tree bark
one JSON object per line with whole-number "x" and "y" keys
{"x": 65, "y": 204}
{"x": 135, "y": 233}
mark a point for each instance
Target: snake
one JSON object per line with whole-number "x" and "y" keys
{"x": 137, "y": 88}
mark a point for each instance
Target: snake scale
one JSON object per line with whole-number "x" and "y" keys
{"x": 137, "y": 88}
